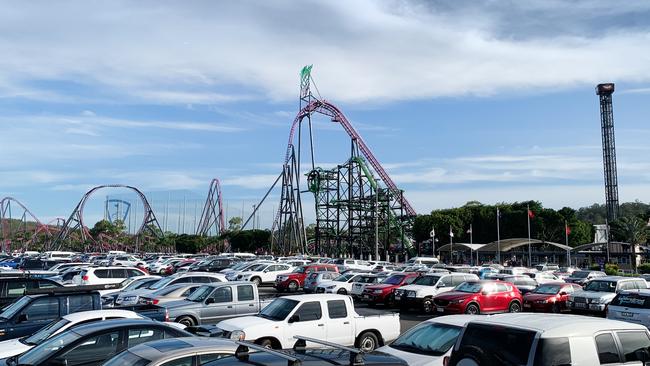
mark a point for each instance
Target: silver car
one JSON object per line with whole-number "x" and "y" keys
{"x": 316, "y": 278}
{"x": 169, "y": 293}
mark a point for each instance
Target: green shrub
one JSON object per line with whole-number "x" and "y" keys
{"x": 595, "y": 267}
{"x": 611, "y": 269}
{"x": 644, "y": 268}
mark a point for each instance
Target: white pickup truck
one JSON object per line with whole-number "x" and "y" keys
{"x": 329, "y": 317}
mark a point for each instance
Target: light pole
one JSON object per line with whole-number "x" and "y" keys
{"x": 254, "y": 214}
{"x": 433, "y": 242}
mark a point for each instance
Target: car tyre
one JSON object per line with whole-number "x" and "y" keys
{"x": 515, "y": 307}
{"x": 265, "y": 342}
{"x": 342, "y": 291}
{"x": 186, "y": 321}
{"x": 427, "y": 305}
{"x": 472, "y": 309}
{"x": 257, "y": 281}
{"x": 367, "y": 342}
{"x": 293, "y": 286}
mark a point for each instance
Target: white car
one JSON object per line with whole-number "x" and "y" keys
{"x": 341, "y": 285}
{"x": 427, "y": 343}
{"x": 420, "y": 293}
{"x": 550, "y": 339}
{"x": 60, "y": 267}
{"x": 631, "y": 306}
{"x": 544, "y": 277}
{"x": 130, "y": 284}
{"x": 231, "y": 273}
{"x": 263, "y": 273}
{"x": 364, "y": 280}
{"x": 106, "y": 275}
{"x": 161, "y": 267}
{"x": 353, "y": 264}
{"x": 17, "y": 346}
{"x": 132, "y": 297}
{"x": 126, "y": 260}
{"x": 327, "y": 317}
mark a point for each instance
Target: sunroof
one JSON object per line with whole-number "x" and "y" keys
{"x": 171, "y": 344}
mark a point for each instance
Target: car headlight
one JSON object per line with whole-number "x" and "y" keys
{"x": 410, "y": 294}
{"x": 541, "y": 301}
{"x": 330, "y": 287}
{"x": 399, "y": 292}
{"x": 600, "y": 301}
{"x": 378, "y": 291}
{"x": 238, "y": 335}
{"x": 459, "y": 301}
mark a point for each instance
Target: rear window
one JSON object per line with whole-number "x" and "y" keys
{"x": 553, "y": 351}
{"x": 503, "y": 345}
{"x": 637, "y": 301}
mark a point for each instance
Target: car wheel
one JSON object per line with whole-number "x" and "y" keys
{"x": 427, "y": 305}
{"x": 472, "y": 309}
{"x": 265, "y": 342}
{"x": 514, "y": 307}
{"x": 367, "y": 342}
{"x": 162, "y": 271}
{"x": 341, "y": 291}
{"x": 472, "y": 356}
{"x": 186, "y": 321}
{"x": 256, "y": 280}
{"x": 293, "y": 286}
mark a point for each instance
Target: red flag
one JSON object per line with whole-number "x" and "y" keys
{"x": 568, "y": 230}
{"x": 531, "y": 214}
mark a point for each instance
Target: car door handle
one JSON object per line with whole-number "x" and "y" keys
{"x": 321, "y": 325}
{"x": 251, "y": 304}
{"x": 229, "y": 306}
{"x": 346, "y": 322}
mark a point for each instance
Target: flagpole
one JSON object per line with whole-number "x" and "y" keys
{"x": 471, "y": 242}
{"x": 451, "y": 246}
{"x": 528, "y": 216}
{"x": 566, "y": 241}
{"x": 498, "y": 239}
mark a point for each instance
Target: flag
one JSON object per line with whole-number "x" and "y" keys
{"x": 531, "y": 214}
{"x": 568, "y": 230}
{"x": 469, "y": 231}
{"x": 498, "y": 213}
{"x": 451, "y": 233}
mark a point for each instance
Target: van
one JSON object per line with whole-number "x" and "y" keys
{"x": 58, "y": 256}
{"x": 427, "y": 261}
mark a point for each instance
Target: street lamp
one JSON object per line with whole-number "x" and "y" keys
{"x": 433, "y": 242}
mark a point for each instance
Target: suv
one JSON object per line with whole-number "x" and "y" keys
{"x": 316, "y": 278}
{"x": 12, "y": 288}
{"x": 264, "y": 273}
{"x": 601, "y": 291}
{"x": 293, "y": 281}
{"x": 550, "y": 339}
{"x": 133, "y": 296}
{"x": 213, "y": 265}
{"x": 480, "y": 297}
{"x": 631, "y": 306}
{"x": 106, "y": 275}
{"x": 582, "y": 277}
{"x": 384, "y": 292}
{"x": 420, "y": 293}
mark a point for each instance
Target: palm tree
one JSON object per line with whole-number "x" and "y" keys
{"x": 631, "y": 230}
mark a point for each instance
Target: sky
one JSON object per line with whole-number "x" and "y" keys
{"x": 491, "y": 101}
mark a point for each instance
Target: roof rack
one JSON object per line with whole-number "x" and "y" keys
{"x": 27, "y": 274}
{"x": 73, "y": 289}
{"x": 242, "y": 353}
{"x": 356, "y": 355}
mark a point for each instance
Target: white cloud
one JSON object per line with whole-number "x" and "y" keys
{"x": 363, "y": 51}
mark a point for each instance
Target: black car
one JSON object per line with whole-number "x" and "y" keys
{"x": 214, "y": 265}
{"x": 94, "y": 343}
{"x": 15, "y": 286}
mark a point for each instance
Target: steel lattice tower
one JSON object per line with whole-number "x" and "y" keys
{"x": 605, "y": 91}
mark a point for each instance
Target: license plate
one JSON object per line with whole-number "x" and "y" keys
{"x": 579, "y": 305}
{"x": 627, "y": 314}
{"x": 527, "y": 305}
{"x": 366, "y": 296}
{"x": 440, "y": 310}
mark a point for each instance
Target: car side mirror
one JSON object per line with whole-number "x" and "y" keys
{"x": 562, "y": 293}
{"x": 22, "y": 318}
{"x": 485, "y": 293}
{"x": 294, "y": 318}
{"x": 209, "y": 300}
{"x": 58, "y": 362}
{"x": 642, "y": 355}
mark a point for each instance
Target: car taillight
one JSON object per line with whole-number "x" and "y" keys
{"x": 155, "y": 302}
{"x": 84, "y": 278}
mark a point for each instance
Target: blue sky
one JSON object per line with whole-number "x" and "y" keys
{"x": 459, "y": 100}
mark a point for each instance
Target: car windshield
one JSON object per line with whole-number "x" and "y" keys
{"x": 167, "y": 290}
{"x": 300, "y": 269}
{"x": 471, "y": 287}
{"x": 46, "y": 332}
{"x": 394, "y": 280}
{"x": 366, "y": 279}
{"x": 42, "y": 352}
{"x": 127, "y": 359}
{"x": 427, "y": 280}
{"x": 239, "y": 266}
{"x": 278, "y": 309}
{"x": 601, "y": 286}
{"x": 136, "y": 284}
{"x": 201, "y": 293}
{"x": 433, "y": 339}
{"x": 580, "y": 274}
{"x": 547, "y": 289}
{"x": 15, "y": 307}
{"x": 344, "y": 277}
{"x": 257, "y": 268}
{"x": 162, "y": 283}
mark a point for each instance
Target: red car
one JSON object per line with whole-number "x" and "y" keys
{"x": 480, "y": 297}
{"x": 384, "y": 292}
{"x": 550, "y": 297}
{"x": 295, "y": 280}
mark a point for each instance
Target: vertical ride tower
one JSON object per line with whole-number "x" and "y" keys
{"x": 604, "y": 92}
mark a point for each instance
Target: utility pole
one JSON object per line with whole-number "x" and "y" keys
{"x": 376, "y": 224}
{"x": 498, "y": 237}
{"x": 433, "y": 242}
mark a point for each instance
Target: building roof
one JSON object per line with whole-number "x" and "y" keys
{"x": 505, "y": 245}
{"x": 472, "y": 247}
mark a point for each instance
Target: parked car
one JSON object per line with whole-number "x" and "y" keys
{"x": 543, "y": 267}
{"x": 130, "y": 284}
{"x": 355, "y": 264}
{"x": 126, "y": 261}
{"x": 522, "y": 282}
{"x": 631, "y": 306}
{"x": 420, "y": 293}
{"x": 341, "y": 285}
{"x": 550, "y": 339}
{"x": 213, "y": 265}
{"x": 295, "y": 280}
{"x": 544, "y": 277}
{"x": 480, "y": 297}
{"x": 550, "y": 297}
{"x": 65, "y": 265}
{"x": 161, "y": 267}
{"x": 264, "y": 273}
{"x": 133, "y": 296}
{"x": 327, "y": 317}
{"x": 92, "y": 344}
{"x": 214, "y": 302}
{"x": 106, "y": 275}
{"x": 185, "y": 351}
{"x": 314, "y": 279}
{"x": 582, "y": 277}
{"x": 383, "y": 293}
{"x": 599, "y": 292}
{"x": 12, "y": 288}
{"x": 364, "y": 280}
{"x": 170, "y": 293}
{"x": 17, "y": 346}
{"x": 427, "y": 343}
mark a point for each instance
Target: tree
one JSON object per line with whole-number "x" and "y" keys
{"x": 631, "y": 230}
{"x": 235, "y": 223}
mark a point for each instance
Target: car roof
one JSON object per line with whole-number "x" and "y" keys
{"x": 195, "y": 274}
{"x": 616, "y": 278}
{"x": 557, "y": 325}
{"x": 117, "y": 323}
{"x": 459, "y": 320}
{"x": 316, "y": 297}
{"x": 163, "y": 348}
{"x": 643, "y": 291}
{"x": 108, "y": 313}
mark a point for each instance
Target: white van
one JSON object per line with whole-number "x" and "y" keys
{"x": 58, "y": 256}
{"x": 116, "y": 252}
{"x": 427, "y": 261}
